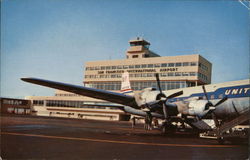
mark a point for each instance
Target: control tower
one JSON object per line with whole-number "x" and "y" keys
{"x": 139, "y": 48}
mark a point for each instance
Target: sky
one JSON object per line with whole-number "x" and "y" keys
{"x": 52, "y": 39}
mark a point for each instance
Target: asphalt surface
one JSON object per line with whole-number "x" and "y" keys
{"x": 27, "y": 137}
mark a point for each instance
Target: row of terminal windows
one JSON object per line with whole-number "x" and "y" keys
{"x": 180, "y": 64}
{"x": 203, "y": 77}
{"x": 38, "y": 102}
{"x": 164, "y": 85}
{"x": 105, "y": 85}
{"x": 204, "y": 67}
{"x": 75, "y": 104}
{"x": 138, "y": 85}
{"x": 171, "y": 74}
{"x": 67, "y": 95}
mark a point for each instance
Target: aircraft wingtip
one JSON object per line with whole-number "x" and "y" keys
{"x": 23, "y": 79}
{"x": 26, "y": 79}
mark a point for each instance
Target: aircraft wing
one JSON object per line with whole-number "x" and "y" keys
{"x": 85, "y": 91}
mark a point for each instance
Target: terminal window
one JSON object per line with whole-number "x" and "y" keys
{"x": 135, "y": 85}
{"x": 179, "y": 64}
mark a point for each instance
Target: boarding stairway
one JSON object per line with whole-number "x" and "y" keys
{"x": 226, "y": 131}
{"x": 200, "y": 125}
{"x": 203, "y": 126}
{"x": 230, "y": 124}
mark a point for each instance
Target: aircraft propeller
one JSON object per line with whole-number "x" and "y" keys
{"x": 163, "y": 98}
{"x": 210, "y": 106}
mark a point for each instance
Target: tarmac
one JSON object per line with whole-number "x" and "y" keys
{"x": 33, "y": 137}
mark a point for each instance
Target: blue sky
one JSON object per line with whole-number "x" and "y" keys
{"x": 52, "y": 39}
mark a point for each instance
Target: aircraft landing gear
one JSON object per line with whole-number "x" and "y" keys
{"x": 220, "y": 140}
{"x": 167, "y": 127}
{"x": 148, "y": 121}
{"x": 164, "y": 128}
{"x": 183, "y": 120}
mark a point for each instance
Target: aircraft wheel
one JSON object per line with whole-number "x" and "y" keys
{"x": 163, "y": 129}
{"x": 221, "y": 140}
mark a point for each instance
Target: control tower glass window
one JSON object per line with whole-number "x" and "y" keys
{"x": 140, "y": 43}
{"x": 146, "y": 46}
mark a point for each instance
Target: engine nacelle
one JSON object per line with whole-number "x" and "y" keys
{"x": 145, "y": 96}
{"x": 198, "y": 108}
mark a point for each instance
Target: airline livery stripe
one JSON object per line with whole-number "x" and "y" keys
{"x": 126, "y": 90}
{"x": 230, "y": 92}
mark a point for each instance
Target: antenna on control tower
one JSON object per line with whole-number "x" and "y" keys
{"x": 140, "y": 36}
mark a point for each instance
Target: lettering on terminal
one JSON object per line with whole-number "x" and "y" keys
{"x": 139, "y": 71}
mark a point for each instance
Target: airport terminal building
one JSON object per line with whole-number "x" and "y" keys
{"x": 141, "y": 63}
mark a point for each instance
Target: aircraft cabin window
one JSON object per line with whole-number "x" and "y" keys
{"x": 212, "y": 96}
{"x": 220, "y": 96}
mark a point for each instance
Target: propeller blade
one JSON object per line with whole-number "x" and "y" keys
{"x": 175, "y": 94}
{"x": 213, "y": 107}
{"x": 221, "y": 101}
{"x": 165, "y": 110}
{"x": 158, "y": 81}
{"x": 205, "y": 92}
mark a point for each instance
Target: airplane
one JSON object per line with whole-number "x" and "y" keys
{"x": 186, "y": 105}
{"x": 132, "y": 101}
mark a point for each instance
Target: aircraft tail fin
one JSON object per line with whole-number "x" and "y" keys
{"x": 125, "y": 85}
